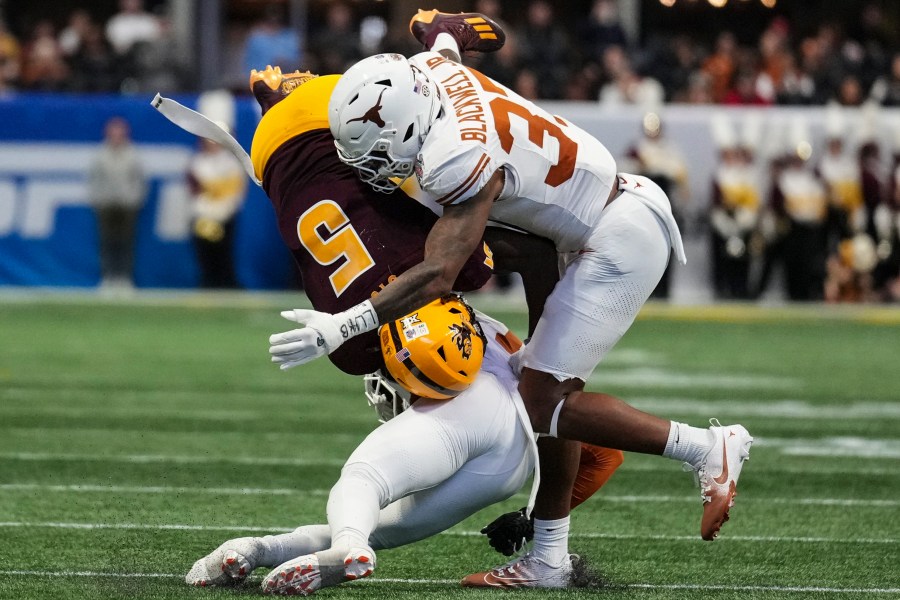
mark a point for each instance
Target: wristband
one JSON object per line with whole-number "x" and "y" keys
{"x": 357, "y": 320}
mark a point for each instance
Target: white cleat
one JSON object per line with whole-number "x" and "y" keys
{"x": 229, "y": 564}
{"x": 304, "y": 575}
{"x": 527, "y": 571}
{"x": 718, "y": 474}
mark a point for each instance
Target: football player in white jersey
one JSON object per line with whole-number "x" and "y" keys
{"x": 487, "y": 154}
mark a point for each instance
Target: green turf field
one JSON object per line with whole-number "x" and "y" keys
{"x": 137, "y": 435}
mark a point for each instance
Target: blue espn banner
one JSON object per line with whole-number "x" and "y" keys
{"x": 48, "y": 234}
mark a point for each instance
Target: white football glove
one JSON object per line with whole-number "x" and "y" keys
{"x": 322, "y": 335}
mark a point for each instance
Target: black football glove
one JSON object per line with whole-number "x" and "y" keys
{"x": 509, "y": 533}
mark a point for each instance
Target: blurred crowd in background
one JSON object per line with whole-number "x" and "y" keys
{"x": 131, "y": 51}
{"x": 545, "y": 57}
{"x": 828, "y": 220}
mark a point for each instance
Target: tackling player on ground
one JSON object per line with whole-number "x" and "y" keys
{"x": 486, "y": 153}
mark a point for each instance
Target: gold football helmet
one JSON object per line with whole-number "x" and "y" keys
{"x": 436, "y": 351}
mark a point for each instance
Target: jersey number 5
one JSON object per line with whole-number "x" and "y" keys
{"x": 340, "y": 242}
{"x": 502, "y": 107}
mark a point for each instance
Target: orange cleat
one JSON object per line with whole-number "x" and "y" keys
{"x": 527, "y": 571}
{"x": 718, "y": 475}
{"x": 473, "y": 32}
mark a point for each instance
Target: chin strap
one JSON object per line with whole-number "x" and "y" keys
{"x": 196, "y": 123}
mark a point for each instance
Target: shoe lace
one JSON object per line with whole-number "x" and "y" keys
{"x": 701, "y": 480}
{"x": 519, "y": 560}
{"x": 520, "y": 553}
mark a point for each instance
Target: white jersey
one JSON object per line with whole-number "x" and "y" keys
{"x": 558, "y": 177}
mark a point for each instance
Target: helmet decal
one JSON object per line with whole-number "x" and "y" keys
{"x": 462, "y": 337}
{"x": 373, "y": 115}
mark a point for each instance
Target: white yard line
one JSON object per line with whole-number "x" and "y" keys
{"x": 176, "y": 459}
{"x": 143, "y": 526}
{"x": 652, "y": 376}
{"x": 763, "y": 588}
{"x": 452, "y": 532}
{"x": 766, "y": 500}
{"x": 847, "y": 446}
{"x": 390, "y": 580}
{"x": 843, "y": 446}
{"x": 87, "y": 574}
{"x": 125, "y": 489}
{"x": 136, "y": 489}
{"x": 813, "y": 469}
{"x": 784, "y": 408}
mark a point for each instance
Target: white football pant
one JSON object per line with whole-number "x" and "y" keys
{"x": 605, "y": 284}
{"x": 434, "y": 465}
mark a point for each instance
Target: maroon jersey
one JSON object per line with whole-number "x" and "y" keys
{"x": 348, "y": 240}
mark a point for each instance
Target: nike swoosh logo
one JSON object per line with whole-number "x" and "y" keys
{"x": 492, "y": 579}
{"x": 721, "y": 479}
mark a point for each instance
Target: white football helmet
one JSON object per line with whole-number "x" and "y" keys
{"x": 379, "y": 114}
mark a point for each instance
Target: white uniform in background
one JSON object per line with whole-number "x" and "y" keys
{"x": 558, "y": 179}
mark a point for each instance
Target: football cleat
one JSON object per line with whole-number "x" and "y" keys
{"x": 303, "y": 576}
{"x": 527, "y": 571}
{"x": 718, "y": 474}
{"x": 472, "y": 31}
{"x": 271, "y": 86}
{"x": 229, "y": 564}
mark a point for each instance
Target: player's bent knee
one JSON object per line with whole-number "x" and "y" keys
{"x": 540, "y": 411}
{"x": 367, "y": 473}
{"x": 541, "y": 393}
{"x": 540, "y": 396}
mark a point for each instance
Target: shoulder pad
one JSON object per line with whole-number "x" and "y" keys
{"x": 454, "y": 177}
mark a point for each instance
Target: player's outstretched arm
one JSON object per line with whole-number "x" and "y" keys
{"x": 450, "y": 242}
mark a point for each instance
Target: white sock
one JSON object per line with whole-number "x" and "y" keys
{"x": 445, "y": 41}
{"x": 288, "y": 546}
{"x": 688, "y": 444}
{"x": 551, "y": 540}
